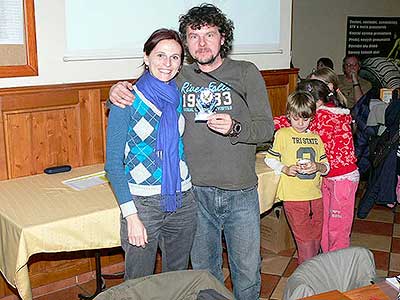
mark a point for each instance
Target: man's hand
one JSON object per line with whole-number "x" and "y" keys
{"x": 221, "y": 123}
{"x": 354, "y": 77}
{"x": 120, "y": 94}
{"x": 137, "y": 234}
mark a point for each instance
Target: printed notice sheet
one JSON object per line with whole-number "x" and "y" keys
{"x": 11, "y": 22}
{"x": 86, "y": 181}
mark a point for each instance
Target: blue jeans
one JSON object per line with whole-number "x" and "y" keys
{"x": 237, "y": 213}
{"x": 172, "y": 232}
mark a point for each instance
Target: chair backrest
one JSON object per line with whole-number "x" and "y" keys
{"x": 178, "y": 285}
{"x": 341, "y": 270}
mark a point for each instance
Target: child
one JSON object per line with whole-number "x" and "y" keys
{"x": 299, "y": 185}
{"x": 333, "y": 123}
{"x": 330, "y": 78}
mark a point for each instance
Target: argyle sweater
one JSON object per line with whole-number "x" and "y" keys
{"x": 132, "y": 164}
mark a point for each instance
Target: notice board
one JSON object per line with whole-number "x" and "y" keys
{"x": 18, "y": 54}
{"x": 373, "y": 36}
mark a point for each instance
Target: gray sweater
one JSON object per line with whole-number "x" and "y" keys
{"x": 216, "y": 160}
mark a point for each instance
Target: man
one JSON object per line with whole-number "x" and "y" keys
{"x": 221, "y": 151}
{"x": 324, "y": 62}
{"x": 350, "y": 84}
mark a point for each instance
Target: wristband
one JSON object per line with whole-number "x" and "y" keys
{"x": 356, "y": 84}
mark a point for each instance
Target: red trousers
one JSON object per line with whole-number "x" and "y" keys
{"x": 305, "y": 219}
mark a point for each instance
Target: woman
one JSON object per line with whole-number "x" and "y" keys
{"x": 329, "y": 77}
{"x": 146, "y": 165}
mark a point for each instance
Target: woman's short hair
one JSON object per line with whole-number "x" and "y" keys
{"x": 161, "y": 35}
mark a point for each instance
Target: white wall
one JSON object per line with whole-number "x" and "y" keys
{"x": 319, "y": 28}
{"x": 50, "y": 35}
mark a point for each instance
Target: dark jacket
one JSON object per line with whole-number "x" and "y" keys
{"x": 382, "y": 181}
{"x": 360, "y": 114}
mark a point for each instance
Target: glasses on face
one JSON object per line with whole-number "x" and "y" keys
{"x": 351, "y": 65}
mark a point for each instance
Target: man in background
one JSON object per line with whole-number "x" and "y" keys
{"x": 324, "y": 62}
{"x": 350, "y": 84}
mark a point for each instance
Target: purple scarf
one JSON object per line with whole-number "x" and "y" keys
{"x": 166, "y": 97}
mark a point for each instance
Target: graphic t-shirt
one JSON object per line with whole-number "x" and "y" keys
{"x": 289, "y": 147}
{"x": 214, "y": 159}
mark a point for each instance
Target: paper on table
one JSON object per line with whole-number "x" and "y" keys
{"x": 86, "y": 181}
{"x": 393, "y": 282}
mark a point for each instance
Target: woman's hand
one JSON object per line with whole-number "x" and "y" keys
{"x": 137, "y": 234}
{"x": 120, "y": 94}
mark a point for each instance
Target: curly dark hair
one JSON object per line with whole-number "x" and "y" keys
{"x": 208, "y": 14}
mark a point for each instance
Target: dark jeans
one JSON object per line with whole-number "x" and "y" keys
{"x": 172, "y": 232}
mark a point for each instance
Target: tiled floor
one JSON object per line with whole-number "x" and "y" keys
{"x": 380, "y": 232}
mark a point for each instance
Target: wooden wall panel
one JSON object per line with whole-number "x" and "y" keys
{"x": 51, "y": 125}
{"x": 91, "y": 115}
{"x": 3, "y": 157}
{"x": 41, "y": 138}
{"x": 278, "y": 92}
{"x": 279, "y": 83}
{"x": 43, "y": 126}
{"x": 19, "y": 154}
{"x": 104, "y": 114}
